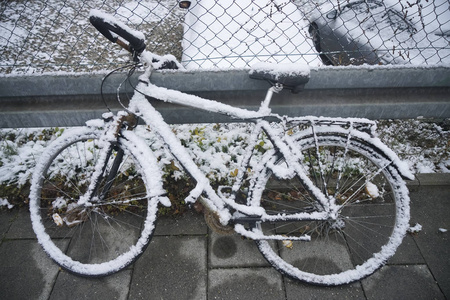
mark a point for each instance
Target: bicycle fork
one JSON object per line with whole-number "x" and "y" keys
{"x": 116, "y": 124}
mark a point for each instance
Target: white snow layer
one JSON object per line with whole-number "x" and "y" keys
{"x": 4, "y": 202}
{"x": 415, "y": 229}
{"x": 236, "y": 34}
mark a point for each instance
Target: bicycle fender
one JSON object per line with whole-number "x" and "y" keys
{"x": 401, "y": 166}
{"x": 152, "y": 171}
{"x": 374, "y": 142}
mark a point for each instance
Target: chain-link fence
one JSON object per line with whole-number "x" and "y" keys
{"x": 39, "y": 36}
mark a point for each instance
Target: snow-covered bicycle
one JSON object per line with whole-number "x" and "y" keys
{"x": 325, "y": 202}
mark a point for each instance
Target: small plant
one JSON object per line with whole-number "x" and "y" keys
{"x": 217, "y": 148}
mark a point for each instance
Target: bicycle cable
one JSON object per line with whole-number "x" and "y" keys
{"x": 134, "y": 86}
{"x": 134, "y": 65}
{"x": 124, "y": 82}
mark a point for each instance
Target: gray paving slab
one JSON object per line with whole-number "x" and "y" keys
{"x": 26, "y": 271}
{"x": 407, "y": 253}
{"x": 171, "y": 268}
{"x": 245, "y": 283}
{"x": 431, "y": 208}
{"x": 6, "y": 218}
{"x": 234, "y": 251}
{"x": 69, "y": 286}
{"x": 431, "y": 179}
{"x": 402, "y": 282}
{"x": 323, "y": 257}
{"x": 190, "y": 223}
{"x": 187, "y": 261}
{"x": 21, "y": 226}
{"x": 299, "y": 290}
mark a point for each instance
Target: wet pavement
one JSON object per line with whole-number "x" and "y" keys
{"x": 185, "y": 260}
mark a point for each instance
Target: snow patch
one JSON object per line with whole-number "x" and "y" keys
{"x": 4, "y": 202}
{"x": 59, "y": 202}
{"x": 138, "y": 12}
{"x": 282, "y": 69}
{"x": 415, "y": 229}
{"x": 372, "y": 190}
{"x": 112, "y": 20}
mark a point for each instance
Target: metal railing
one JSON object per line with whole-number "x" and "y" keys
{"x": 42, "y": 36}
{"x": 369, "y": 92}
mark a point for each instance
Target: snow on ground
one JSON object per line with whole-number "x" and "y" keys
{"x": 217, "y": 147}
{"x": 415, "y": 229}
{"x": 424, "y": 146}
{"x": 138, "y": 12}
{"x": 4, "y": 202}
{"x": 50, "y": 36}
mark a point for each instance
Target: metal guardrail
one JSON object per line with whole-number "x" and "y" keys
{"x": 369, "y": 92}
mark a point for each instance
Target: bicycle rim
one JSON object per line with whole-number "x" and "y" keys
{"x": 106, "y": 236}
{"x": 371, "y": 223}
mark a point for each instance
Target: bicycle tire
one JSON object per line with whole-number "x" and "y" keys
{"x": 371, "y": 224}
{"x": 107, "y": 236}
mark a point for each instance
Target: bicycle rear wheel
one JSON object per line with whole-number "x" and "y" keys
{"x": 114, "y": 229}
{"x": 371, "y": 223}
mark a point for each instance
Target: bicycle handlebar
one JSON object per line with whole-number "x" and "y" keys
{"x": 113, "y": 29}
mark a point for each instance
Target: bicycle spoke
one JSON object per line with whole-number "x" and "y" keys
{"x": 100, "y": 229}
{"x": 343, "y": 169}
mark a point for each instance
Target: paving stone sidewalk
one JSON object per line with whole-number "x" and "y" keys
{"x": 185, "y": 260}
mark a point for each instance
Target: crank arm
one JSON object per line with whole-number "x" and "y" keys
{"x": 258, "y": 235}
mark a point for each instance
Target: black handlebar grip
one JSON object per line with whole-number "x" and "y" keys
{"x": 106, "y": 25}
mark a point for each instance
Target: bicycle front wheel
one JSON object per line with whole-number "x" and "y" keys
{"x": 114, "y": 228}
{"x": 372, "y": 219}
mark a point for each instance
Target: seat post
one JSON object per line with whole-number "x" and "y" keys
{"x": 264, "y": 108}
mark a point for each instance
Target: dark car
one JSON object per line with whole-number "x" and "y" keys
{"x": 361, "y": 31}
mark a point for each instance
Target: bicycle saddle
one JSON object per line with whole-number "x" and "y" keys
{"x": 292, "y": 76}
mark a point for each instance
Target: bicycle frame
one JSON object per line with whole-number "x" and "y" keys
{"x": 225, "y": 206}
{"x": 217, "y": 201}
